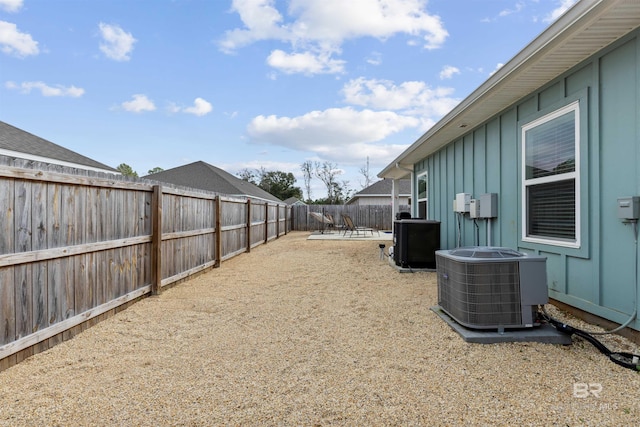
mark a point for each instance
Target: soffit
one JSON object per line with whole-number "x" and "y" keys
{"x": 584, "y": 30}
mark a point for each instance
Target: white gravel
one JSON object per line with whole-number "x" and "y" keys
{"x": 302, "y": 332}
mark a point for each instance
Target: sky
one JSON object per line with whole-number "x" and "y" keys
{"x": 252, "y": 84}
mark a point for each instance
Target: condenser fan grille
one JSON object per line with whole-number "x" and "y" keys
{"x": 480, "y": 294}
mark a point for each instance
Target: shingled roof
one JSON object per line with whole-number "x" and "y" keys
{"x": 294, "y": 201}
{"x": 383, "y": 188}
{"x": 204, "y": 176}
{"x": 19, "y": 143}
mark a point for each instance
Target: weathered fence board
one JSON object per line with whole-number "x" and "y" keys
{"x": 258, "y": 223}
{"x": 6, "y": 216}
{"x": 379, "y": 217}
{"x": 39, "y": 242}
{"x": 76, "y": 245}
{"x": 7, "y": 306}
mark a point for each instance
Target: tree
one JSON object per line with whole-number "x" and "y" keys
{"x": 337, "y": 192}
{"x": 155, "y": 170}
{"x": 307, "y": 172}
{"x": 341, "y": 192}
{"x": 126, "y": 170}
{"x": 277, "y": 183}
{"x": 247, "y": 175}
{"x": 364, "y": 171}
{"x": 280, "y": 184}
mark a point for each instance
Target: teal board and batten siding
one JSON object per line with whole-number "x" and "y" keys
{"x": 599, "y": 276}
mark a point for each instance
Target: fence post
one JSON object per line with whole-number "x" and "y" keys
{"x": 156, "y": 240}
{"x": 248, "y": 225}
{"x": 287, "y": 213}
{"x": 218, "y": 236}
{"x": 277, "y": 221}
{"x": 266, "y": 222}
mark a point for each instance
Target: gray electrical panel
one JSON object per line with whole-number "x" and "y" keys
{"x": 488, "y": 205}
{"x": 629, "y": 207}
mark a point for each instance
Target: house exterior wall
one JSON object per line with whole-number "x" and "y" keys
{"x": 599, "y": 275}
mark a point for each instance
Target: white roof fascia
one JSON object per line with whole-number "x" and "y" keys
{"x": 10, "y": 153}
{"x": 454, "y": 124}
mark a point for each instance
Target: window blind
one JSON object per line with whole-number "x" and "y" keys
{"x": 551, "y": 210}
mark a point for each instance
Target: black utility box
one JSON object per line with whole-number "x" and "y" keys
{"x": 403, "y": 215}
{"x": 415, "y": 242}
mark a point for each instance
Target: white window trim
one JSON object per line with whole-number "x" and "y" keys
{"x": 575, "y": 107}
{"x": 426, "y": 199}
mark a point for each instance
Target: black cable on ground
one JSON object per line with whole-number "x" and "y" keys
{"x": 624, "y": 359}
{"x": 627, "y": 360}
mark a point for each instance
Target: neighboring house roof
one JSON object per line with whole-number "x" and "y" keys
{"x": 382, "y": 188}
{"x": 15, "y": 142}
{"x": 204, "y": 176}
{"x": 291, "y": 201}
{"x": 587, "y": 27}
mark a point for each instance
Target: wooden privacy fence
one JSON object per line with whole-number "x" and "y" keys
{"x": 379, "y": 217}
{"x": 77, "y": 246}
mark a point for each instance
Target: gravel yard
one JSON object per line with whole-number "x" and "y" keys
{"x": 302, "y": 332}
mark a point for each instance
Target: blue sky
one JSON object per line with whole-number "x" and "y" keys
{"x": 251, "y": 83}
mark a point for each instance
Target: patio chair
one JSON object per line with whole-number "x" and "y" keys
{"x": 323, "y": 219}
{"x": 350, "y": 226}
{"x": 334, "y": 223}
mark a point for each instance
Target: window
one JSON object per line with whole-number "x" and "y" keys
{"x": 550, "y": 177}
{"x": 422, "y": 195}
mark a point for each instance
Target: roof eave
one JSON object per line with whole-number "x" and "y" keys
{"x": 506, "y": 81}
{"x": 53, "y": 161}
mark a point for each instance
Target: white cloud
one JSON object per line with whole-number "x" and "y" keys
{"x": 200, "y": 107}
{"x": 116, "y": 44}
{"x": 517, "y": 8}
{"x": 318, "y": 28}
{"x": 413, "y": 98}
{"x": 139, "y": 104}
{"x": 348, "y": 135}
{"x": 498, "y": 66}
{"x": 448, "y": 71}
{"x": 334, "y": 21}
{"x": 261, "y": 20}
{"x": 306, "y": 63}
{"x": 10, "y": 5}
{"x": 46, "y": 90}
{"x": 340, "y": 134}
{"x": 13, "y": 42}
{"x": 375, "y": 58}
{"x": 564, "y": 5}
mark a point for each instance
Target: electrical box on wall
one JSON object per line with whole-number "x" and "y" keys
{"x": 629, "y": 208}
{"x": 462, "y": 202}
{"x": 474, "y": 208}
{"x": 488, "y": 205}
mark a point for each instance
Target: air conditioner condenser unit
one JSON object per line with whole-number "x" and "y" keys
{"x": 484, "y": 287}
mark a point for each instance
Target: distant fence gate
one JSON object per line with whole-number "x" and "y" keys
{"x": 78, "y": 246}
{"x": 379, "y": 217}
